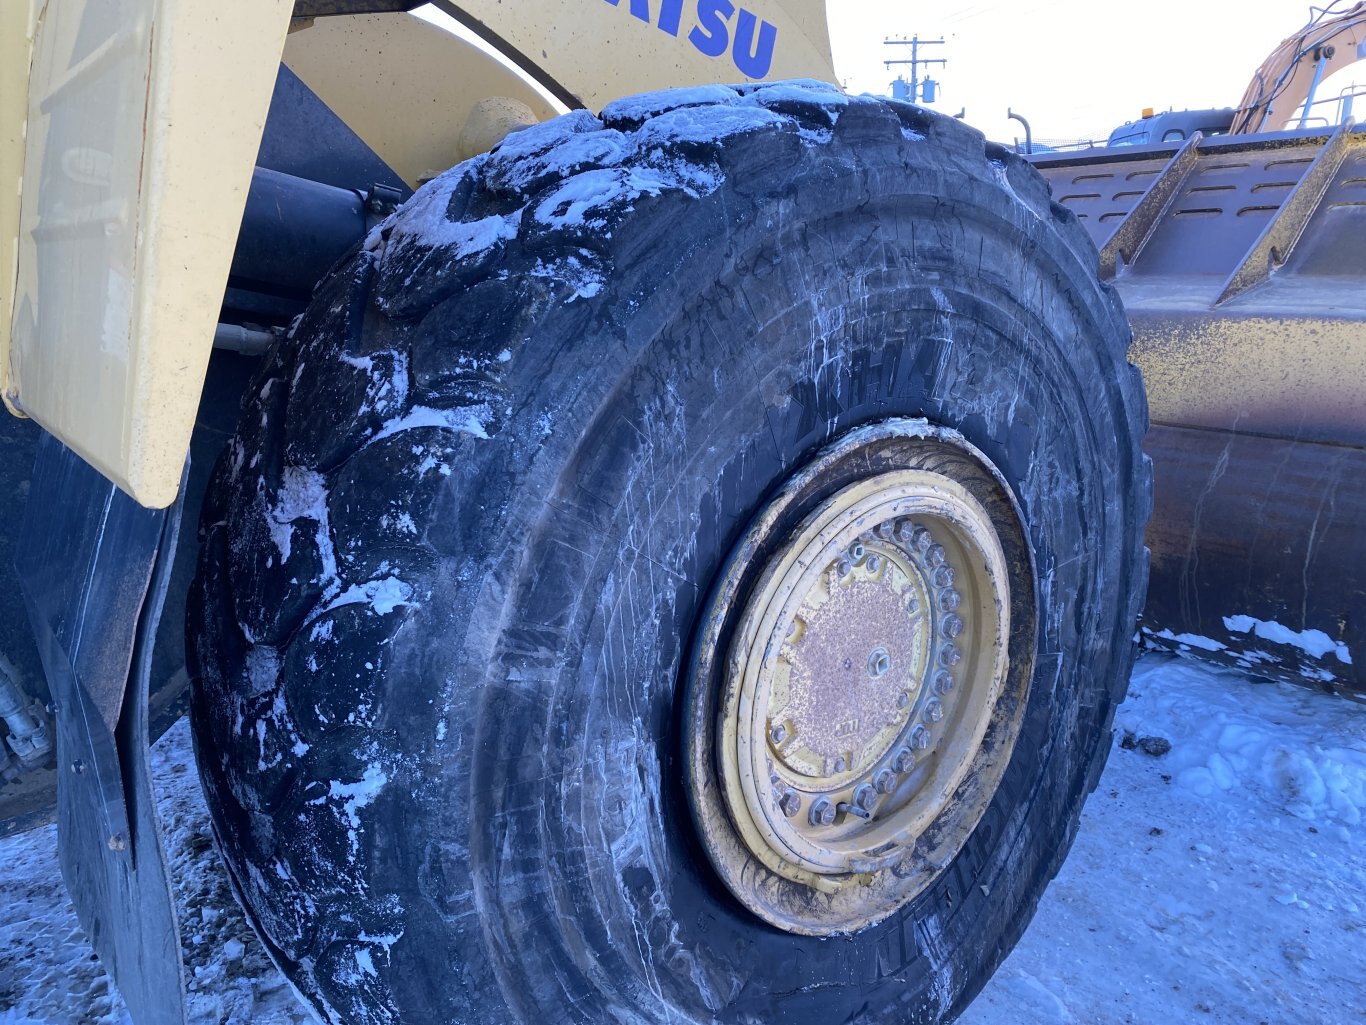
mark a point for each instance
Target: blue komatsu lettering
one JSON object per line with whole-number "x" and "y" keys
{"x": 755, "y": 39}
{"x": 753, "y": 59}
{"x": 640, "y": 8}
{"x": 670, "y": 16}
{"x": 712, "y": 34}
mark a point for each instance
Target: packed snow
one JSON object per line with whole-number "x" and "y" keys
{"x": 1219, "y": 876}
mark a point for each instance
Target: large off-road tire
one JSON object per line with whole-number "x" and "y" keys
{"x": 476, "y": 565}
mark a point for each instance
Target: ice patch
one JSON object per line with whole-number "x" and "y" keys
{"x": 1190, "y": 640}
{"x": 1314, "y": 643}
{"x": 382, "y": 595}
{"x": 471, "y": 420}
{"x": 302, "y": 496}
{"x": 649, "y": 105}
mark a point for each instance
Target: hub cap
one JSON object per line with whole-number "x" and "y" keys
{"x": 864, "y": 667}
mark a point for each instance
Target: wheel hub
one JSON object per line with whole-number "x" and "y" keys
{"x": 863, "y": 669}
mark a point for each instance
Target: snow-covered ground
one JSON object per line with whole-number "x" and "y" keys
{"x": 1221, "y": 880}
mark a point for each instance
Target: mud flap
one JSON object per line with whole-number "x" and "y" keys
{"x": 95, "y": 567}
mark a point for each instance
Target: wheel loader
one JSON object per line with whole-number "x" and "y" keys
{"x": 673, "y": 559}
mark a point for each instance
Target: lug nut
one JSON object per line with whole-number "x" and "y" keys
{"x": 905, "y": 530}
{"x": 935, "y": 555}
{"x": 921, "y": 539}
{"x": 843, "y": 568}
{"x": 950, "y": 656}
{"x": 905, "y": 758}
{"x": 822, "y": 812}
{"x": 841, "y": 764}
{"x": 934, "y": 711}
{"x": 790, "y": 803}
{"x": 865, "y": 797}
{"x": 943, "y": 576}
{"x": 952, "y": 626}
{"x": 920, "y": 738}
{"x": 885, "y": 530}
{"x": 943, "y": 682}
{"x": 885, "y": 781}
{"x": 950, "y": 600}
{"x": 857, "y": 551}
{"x": 778, "y": 734}
{"x": 912, "y": 604}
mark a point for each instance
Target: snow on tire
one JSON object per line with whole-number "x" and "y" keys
{"x": 456, "y": 557}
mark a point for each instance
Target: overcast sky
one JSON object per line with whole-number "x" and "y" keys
{"x": 1074, "y": 68}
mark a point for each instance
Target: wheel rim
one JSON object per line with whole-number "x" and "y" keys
{"x": 865, "y": 662}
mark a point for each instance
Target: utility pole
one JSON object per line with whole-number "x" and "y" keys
{"x": 915, "y": 43}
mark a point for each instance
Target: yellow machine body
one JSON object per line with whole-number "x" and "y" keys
{"x": 130, "y": 132}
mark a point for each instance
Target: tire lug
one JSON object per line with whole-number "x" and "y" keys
{"x": 822, "y": 812}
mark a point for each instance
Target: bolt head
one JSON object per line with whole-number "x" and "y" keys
{"x": 865, "y": 797}
{"x": 934, "y": 711}
{"x": 841, "y": 764}
{"x": 843, "y": 568}
{"x": 950, "y": 600}
{"x": 873, "y": 563}
{"x": 943, "y": 576}
{"x": 822, "y": 812}
{"x": 885, "y": 781}
{"x": 952, "y": 626}
{"x": 857, "y": 551}
{"x": 885, "y": 530}
{"x": 950, "y": 655}
{"x": 905, "y": 758}
{"x": 790, "y": 803}
{"x": 879, "y": 663}
{"x": 903, "y": 700}
{"x": 920, "y": 738}
{"x": 905, "y": 530}
{"x": 943, "y": 682}
{"x": 912, "y": 603}
{"x": 935, "y": 555}
{"x": 778, "y": 733}
{"x": 921, "y": 539}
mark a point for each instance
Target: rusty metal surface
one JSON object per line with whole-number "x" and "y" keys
{"x": 1246, "y": 290}
{"x": 1253, "y": 533}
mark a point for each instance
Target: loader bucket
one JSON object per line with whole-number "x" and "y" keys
{"x": 1242, "y": 265}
